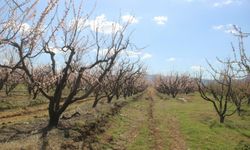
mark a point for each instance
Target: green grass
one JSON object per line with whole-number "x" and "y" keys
{"x": 142, "y": 141}
{"x": 197, "y": 122}
{"x": 19, "y": 98}
{"x": 129, "y": 129}
{"x": 200, "y": 127}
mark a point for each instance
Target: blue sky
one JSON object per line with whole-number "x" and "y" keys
{"x": 187, "y": 31}
{"x": 178, "y": 35}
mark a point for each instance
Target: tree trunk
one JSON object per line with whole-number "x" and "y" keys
{"x": 95, "y": 102}
{"x": 125, "y": 95}
{"x": 35, "y": 93}
{"x": 173, "y": 95}
{"x": 222, "y": 119}
{"x": 53, "y": 120}
{"x": 53, "y": 116}
{"x": 117, "y": 96}
{"x": 1, "y": 84}
{"x": 29, "y": 89}
{"x": 109, "y": 99}
{"x": 239, "y": 111}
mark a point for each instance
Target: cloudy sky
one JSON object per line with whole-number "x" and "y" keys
{"x": 178, "y": 35}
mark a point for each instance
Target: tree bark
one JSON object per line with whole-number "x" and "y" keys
{"x": 109, "y": 99}
{"x": 174, "y": 95}
{"x": 53, "y": 116}
{"x": 239, "y": 111}
{"x": 53, "y": 120}
{"x": 222, "y": 119}
{"x": 117, "y": 96}
{"x": 95, "y": 103}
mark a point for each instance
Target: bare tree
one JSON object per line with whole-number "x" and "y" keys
{"x": 218, "y": 91}
{"x": 240, "y": 93}
{"x": 9, "y": 79}
{"x": 174, "y": 84}
{"x": 69, "y": 35}
{"x": 122, "y": 79}
{"x": 134, "y": 81}
{"x": 187, "y": 84}
{"x": 240, "y": 55}
{"x": 241, "y": 65}
{"x": 247, "y": 90}
{"x": 170, "y": 84}
{"x": 3, "y": 77}
{"x": 14, "y": 79}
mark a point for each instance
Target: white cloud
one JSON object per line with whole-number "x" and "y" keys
{"x": 127, "y": 53}
{"x": 222, "y": 3}
{"x": 110, "y": 52}
{"x": 171, "y": 59}
{"x": 133, "y": 53}
{"x": 161, "y": 20}
{"x": 56, "y": 50}
{"x": 218, "y": 27}
{"x": 130, "y": 19}
{"x": 137, "y": 54}
{"x": 197, "y": 68}
{"x": 81, "y": 23}
{"x": 5, "y": 61}
{"x": 105, "y": 51}
{"x": 24, "y": 29}
{"x": 228, "y": 28}
{"x": 100, "y": 24}
{"x": 146, "y": 56}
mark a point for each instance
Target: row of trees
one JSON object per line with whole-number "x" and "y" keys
{"x": 124, "y": 80}
{"x": 174, "y": 84}
{"x": 229, "y": 88}
{"x": 9, "y": 81}
{"x": 58, "y": 54}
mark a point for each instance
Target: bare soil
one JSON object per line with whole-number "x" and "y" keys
{"x": 82, "y": 127}
{"x": 177, "y": 140}
{"x": 154, "y": 131}
{"x": 77, "y": 129}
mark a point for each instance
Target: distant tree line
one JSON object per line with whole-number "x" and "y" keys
{"x": 174, "y": 84}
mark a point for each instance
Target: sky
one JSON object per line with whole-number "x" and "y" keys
{"x": 179, "y": 35}
{"x": 176, "y": 35}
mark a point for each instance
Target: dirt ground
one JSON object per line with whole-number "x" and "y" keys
{"x": 137, "y": 126}
{"x": 125, "y": 124}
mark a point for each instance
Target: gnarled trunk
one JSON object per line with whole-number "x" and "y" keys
{"x": 54, "y": 115}
{"x": 53, "y": 120}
